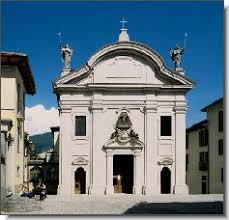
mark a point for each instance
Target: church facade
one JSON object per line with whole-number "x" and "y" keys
{"x": 122, "y": 123}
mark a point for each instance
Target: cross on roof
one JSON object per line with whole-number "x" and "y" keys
{"x": 123, "y": 21}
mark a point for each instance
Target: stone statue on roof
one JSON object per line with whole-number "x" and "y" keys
{"x": 176, "y": 55}
{"x": 66, "y": 53}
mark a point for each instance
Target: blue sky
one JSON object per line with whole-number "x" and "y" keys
{"x": 32, "y": 27}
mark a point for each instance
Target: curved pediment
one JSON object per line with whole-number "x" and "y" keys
{"x": 125, "y": 62}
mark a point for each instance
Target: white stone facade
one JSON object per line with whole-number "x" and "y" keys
{"x": 131, "y": 79}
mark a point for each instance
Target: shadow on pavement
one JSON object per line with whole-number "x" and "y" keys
{"x": 177, "y": 208}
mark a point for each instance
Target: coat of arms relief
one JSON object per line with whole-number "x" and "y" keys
{"x": 123, "y": 129}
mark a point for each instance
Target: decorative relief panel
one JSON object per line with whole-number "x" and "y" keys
{"x": 124, "y": 67}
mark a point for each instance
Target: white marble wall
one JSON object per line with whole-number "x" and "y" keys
{"x": 132, "y": 83}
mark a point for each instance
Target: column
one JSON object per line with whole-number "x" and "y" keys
{"x": 109, "y": 173}
{"x": 137, "y": 173}
{"x": 180, "y": 184}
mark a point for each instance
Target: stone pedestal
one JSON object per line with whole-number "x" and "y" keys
{"x": 96, "y": 190}
{"x": 181, "y": 189}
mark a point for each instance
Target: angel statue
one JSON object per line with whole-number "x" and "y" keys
{"x": 66, "y": 56}
{"x": 175, "y": 55}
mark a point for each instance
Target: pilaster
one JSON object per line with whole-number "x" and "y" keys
{"x": 109, "y": 172}
{"x": 151, "y": 166}
{"x": 64, "y": 164}
{"x": 98, "y": 182}
{"x": 137, "y": 190}
{"x": 180, "y": 129}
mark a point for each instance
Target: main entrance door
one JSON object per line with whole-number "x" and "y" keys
{"x": 123, "y": 173}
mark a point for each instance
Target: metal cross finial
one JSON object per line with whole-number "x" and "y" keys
{"x": 60, "y": 38}
{"x": 123, "y": 21}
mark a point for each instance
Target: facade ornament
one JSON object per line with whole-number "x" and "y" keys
{"x": 166, "y": 161}
{"x": 66, "y": 53}
{"x": 176, "y": 55}
{"x": 123, "y": 131}
{"x": 80, "y": 161}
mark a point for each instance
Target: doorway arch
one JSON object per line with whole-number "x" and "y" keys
{"x": 80, "y": 181}
{"x": 165, "y": 181}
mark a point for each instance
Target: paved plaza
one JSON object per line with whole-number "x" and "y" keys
{"x": 117, "y": 204}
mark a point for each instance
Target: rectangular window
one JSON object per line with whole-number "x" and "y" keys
{"x": 18, "y": 171}
{"x": 221, "y": 174}
{"x": 186, "y": 162}
{"x": 204, "y": 157}
{"x": 220, "y": 120}
{"x": 203, "y": 137}
{"x": 187, "y": 139}
{"x": 204, "y": 184}
{"x": 204, "y": 187}
{"x": 203, "y": 161}
{"x": 18, "y": 137}
{"x": 23, "y": 100}
{"x": 166, "y": 126}
{"x": 220, "y": 146}
{"x": 204, "y": 177}
{"x": 80, "y": 126}
{"x": 18, "y": 98}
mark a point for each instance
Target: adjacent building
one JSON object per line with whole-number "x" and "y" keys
{"x": 16, "y": 81}
{"x": 197, "y": 165}
{"x": 122, "y": 122}
{"x": 45, "y": 165}
{"x": 205, "y": 152}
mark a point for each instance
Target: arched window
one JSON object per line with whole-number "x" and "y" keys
{"x": 80, "y": 181}
{"x": 165, "y": 181}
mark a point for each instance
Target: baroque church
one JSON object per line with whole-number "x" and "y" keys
{"x": 122, "y": 122}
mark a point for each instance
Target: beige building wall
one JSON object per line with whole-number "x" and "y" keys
{"x": 194, "y": 174}
{"x": 215, "y": 173}
{"x": 10, "y": 79}
{"x": 216, "y": 160}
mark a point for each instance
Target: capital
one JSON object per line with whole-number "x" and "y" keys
{"x": 109, "y": 153}
{"x": 180, "y": 109}
{"x": 137, "y": 153}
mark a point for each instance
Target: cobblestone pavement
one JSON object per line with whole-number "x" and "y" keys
{"x": 116, "y": 205}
